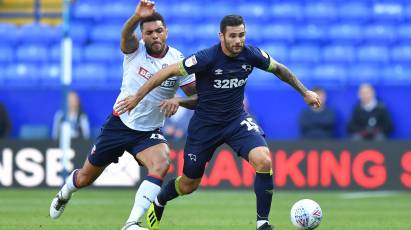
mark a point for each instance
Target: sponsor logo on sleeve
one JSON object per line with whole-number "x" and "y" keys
{"x": 190, "y": 61}
{"x": 264, "y": 54}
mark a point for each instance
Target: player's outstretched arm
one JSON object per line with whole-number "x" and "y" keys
{"x": 130, "y": 102}
{"x": 282, "y": 72}
{"x": 189, "y": 102}
{"x": 129, "y": 41}
{"x": 170, "y": 106}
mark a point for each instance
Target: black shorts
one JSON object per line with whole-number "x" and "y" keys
{"x": 241, "y": 134}
{"x": 115, "y": 138}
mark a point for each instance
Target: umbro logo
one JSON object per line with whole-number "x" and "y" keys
{"x": 218, "y": 72}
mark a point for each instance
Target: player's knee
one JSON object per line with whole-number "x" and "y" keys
{"x": 160, "y": 166}
{"x": 263, "y": 163}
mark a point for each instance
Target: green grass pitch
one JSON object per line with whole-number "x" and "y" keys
{"x": 204, "y": 210}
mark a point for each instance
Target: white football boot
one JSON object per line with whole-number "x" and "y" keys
{"x": 133, "y": 226}
{"x": 57, "y": 206}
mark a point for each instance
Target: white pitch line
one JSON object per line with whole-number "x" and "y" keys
{"x": 370, "y": 194}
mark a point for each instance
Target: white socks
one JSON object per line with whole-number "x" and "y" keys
{"x": 146, "y": 194}
{"x": 69, "y": 186}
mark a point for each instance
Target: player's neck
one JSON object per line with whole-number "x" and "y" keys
{"x": 158, "y": 55}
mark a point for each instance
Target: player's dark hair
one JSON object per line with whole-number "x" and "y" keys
{"x": 231, "y": 20}
{"x": 152, "y": 18}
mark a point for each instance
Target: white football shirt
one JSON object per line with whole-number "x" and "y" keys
{"x": 138, "y": 67}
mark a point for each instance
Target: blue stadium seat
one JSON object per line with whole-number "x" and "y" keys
{"x": 119, "y": 11}
{"x": 311, "y": 33}
{"x": 396, "y": 74}
{"x": 320, "y": 11}
{"x": 404, "y": 32}
{"x": 6, "y": 54}
{"x": 38, "y": 33}
{"x": 178, "y": 32}
{"x": 338, "y": 54}
{"x": 102, "y": 52}
{"x": 361, "y": 73}
{"x": 184, "y": 12}
{"x": 345, "y": 33}
{"x": 34, "y": 132}
{"x": 21, "y": 74}
{"x": 304, "y": 53}
{"x": 87, "y": 10}
{"x": 79, "y": 33}
{"x": 387, "y": 11}
{"x": 213, "y": 13}
{"x": 2, "y": 75}
{"x": 380, "y": 33}
{"x": 254, "y": 33}
{"x": 253, "y": 10}
{"x": 328, "y": 74}
{"x": 89, "y": 74}
{"x": 278, "y": 32}
{"x": 354, "y": 11}
{"x": 401, "y": 54}
{"x": 115, "y": 74}
{"x": 8, "y": 34}
{"x": 407, "y": 12}
{"x": 285, "y": 11}
{"x": 277, "y": 51}
{"x": 373, "y": 53}
{"x": 206, "y": 32}
{"x": 106, "y": 33}
{"x": 302, "y": 71}
{"x": 50, "y": 74}
{"x": 32, "y": 53}
{"x": 55, "y": 53}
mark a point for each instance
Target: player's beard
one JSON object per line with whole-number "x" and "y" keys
{"x": 156, "y": 47}
{"x": 234, "y": 49}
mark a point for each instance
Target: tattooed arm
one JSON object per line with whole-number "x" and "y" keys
{"x": 282, "y": 72}
{"x": 287, "y": 76}
{"x": 129, "y": 41}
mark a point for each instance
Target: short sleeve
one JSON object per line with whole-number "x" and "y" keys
{"x": 195, "y": 63}
{"x": 260, "y": 59}
{"x": 129, "y": 57}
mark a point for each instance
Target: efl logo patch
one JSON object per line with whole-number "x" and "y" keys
{"x": 93, "y": 150}
{"x": 264, "y": 54}
{"x": 190, "y": 61}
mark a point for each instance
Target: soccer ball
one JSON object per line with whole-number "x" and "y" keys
{"x": 306, "y": 214}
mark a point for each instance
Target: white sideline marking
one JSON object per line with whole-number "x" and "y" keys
{"x": 371, "y": 194}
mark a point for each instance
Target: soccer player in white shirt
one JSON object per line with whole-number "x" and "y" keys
{"x": 137, "y": 131}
